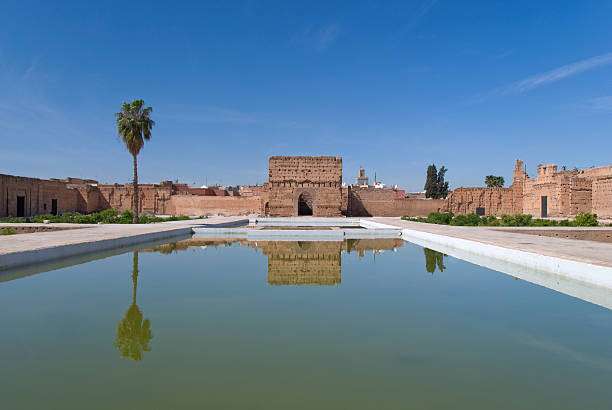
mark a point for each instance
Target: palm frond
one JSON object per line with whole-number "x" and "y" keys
{"x": 134, "y": 125}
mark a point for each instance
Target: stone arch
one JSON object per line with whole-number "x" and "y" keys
{"x": 305, "y": 204}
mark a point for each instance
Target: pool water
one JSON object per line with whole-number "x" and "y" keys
{"x": 371, "y": 324}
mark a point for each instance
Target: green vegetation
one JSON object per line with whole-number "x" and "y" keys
{"x": 433, "y": 260}
{"x": 441, "y": 218}
{"x": 493, "y": 181}
{"x": 7, "y": 231}
{"x": 435, "y": 185}
{"x": 108, "y": 216}
{"x": 134, "y": 331}
{"x": 585, "y": 219}
{"x": 134, "y": 125}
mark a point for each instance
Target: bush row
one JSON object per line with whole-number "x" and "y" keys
{"x": 108, "y": 216}
{"x": 7, "y": 231}
{"x": 442, "y": 218}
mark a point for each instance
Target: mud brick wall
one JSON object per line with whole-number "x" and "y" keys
{"x": 153, "y": 198}
{"x": 495, "y": 201}
{"x": 389, "y": 202}
{"x": 602, "y": 197}
{"x": 319, "y": 178}
{"x": 194, "y": 205}
{"x": 38, "y": 196}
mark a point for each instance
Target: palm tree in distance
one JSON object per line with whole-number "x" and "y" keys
{"x": 134, "y": 332}
{"x": 134, "y": 125}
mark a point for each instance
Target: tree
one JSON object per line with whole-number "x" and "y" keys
{"x": 134, "y": 125}
{"x": 435, "y": 185}
{"x": 133, "y": 332}
{"x": 431, "y": 183}
{"x": 441, "y": 183}
{"x": 493, "y": 181}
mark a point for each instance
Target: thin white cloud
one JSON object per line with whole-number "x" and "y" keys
{"x": 546, "y": 78}
{"x": 319, "y": 38}
{"x": 414, "y": 19}
{"x": 558, "y": 74}
{"x": 326, "y": 36}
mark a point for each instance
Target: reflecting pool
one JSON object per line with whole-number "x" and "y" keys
{"x": 360, "y": 324}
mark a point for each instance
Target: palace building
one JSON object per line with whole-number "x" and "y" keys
{"x": 313, "y": 186}
{"x": 304, "y": 186}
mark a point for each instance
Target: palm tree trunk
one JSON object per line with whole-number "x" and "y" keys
{"x": 135, "y": 202}
{"x": 134, "y": 277}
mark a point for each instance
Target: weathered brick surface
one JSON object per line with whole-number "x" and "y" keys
{"x": 602, "y": 197}
{"x": 38, "y": 196}
{"x": 567, "y": 192}
{"x": 213, "y": 205}
{"x": 372, "y": 201}
{"x": 495, "y": 201}
{"x": 153, "y": 198}
{"x": 319, "y": 179}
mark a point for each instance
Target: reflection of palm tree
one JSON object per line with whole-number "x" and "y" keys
{"x": 433, "y": 259}
{"x": 133, "y": 331}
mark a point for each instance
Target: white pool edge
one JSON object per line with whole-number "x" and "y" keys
{"x": 580, "y": 271}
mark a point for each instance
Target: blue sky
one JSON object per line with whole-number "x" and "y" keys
{"x": 392, "y": 86}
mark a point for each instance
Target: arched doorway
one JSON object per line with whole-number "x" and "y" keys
{"x": 305, "y": 204}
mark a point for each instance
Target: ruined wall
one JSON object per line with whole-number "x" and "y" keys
{"x": 602, "y": 197}
{"x": 193, "y": 205}
{"x": 567, "y": 193}
{"x": 317, "y": 171}
{"x": 495, "y": 201}
{"x": 316, "y": 180}
{"x": 38, "y": 196}
{"x": 153, "y": 198}
{"x": 580, "y": 196}
{"x": 362, "y": 201}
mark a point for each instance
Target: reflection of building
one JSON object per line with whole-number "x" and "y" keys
{"x": 297, "y": 263}
{"x": 303, "y": 263}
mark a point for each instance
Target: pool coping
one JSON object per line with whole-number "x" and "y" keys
{"x": 588, "y": 263}
{"x": 480, "y": 242}
{"x": 27, "y": 249}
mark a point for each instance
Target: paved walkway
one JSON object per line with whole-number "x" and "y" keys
{"x": 596, "y": 253}
{"x": 23, "y": 249}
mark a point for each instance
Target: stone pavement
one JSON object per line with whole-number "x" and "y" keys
{"x": 24, "y": 249}
{"x": 596, "y": 253}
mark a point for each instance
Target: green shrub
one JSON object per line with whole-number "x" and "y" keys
{"x": 7, "y": 231}
{"x": 516, "y": 220}
{"x": 544, "y": 222}
{"x": 490, "y": 220}
{"x": 586, "y": 219}
{"x": 14, "y": 220}
{"x": 466, "y": 220}
{"x": 414, "y": 219}
{"x": 107, "y": 216}
{"x": 440, "y": 218}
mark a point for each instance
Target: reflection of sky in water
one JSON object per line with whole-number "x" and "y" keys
{"x": 195, "y": 325}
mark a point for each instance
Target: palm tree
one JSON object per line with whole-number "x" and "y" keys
{"x": 134, "y": 126}
{"x": 134, "y": 332}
